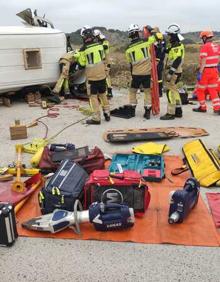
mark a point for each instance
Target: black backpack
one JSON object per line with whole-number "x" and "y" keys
{"x": 63, "y": 188}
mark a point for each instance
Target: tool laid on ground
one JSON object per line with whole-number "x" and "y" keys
{"x": 61, "y": 147}
{"x": 147, "y": 134}
{"x": 104, "y": 217}
{"x": 18, "y": 185}
{"x": 183, "y": 201}
{"x": 202, "y": 162}
{"x": 8, "y": 230}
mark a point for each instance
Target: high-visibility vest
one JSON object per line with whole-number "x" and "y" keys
{"x": 210, "y": 51}
{"x": 139, "y": 51}
{"x": 94, "y": 54}
{"x": 175, "y": 52}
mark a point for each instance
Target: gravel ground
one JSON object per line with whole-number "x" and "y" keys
{"x": 70, "y": 260}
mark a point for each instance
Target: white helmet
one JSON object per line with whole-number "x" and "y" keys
{"x": 174, "y": 29}
{"x": 133, "y": 28}
{"x": 83, "y": 29}
{"x": 98, "y": 33}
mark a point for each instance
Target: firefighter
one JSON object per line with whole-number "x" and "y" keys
{"x": 160, "y": 50}
{"x": 102, "y": 39}
{"x": 175, "y": 56}
{"x": 65, "y": 63}
{"x": 92, "y": 57}
{"x": 138, "y": 55}
{"x": 208, "y": 73}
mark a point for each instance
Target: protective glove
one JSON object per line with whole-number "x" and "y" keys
{"x": 199, "y": 76}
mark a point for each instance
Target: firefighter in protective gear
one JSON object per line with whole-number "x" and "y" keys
{"x": 102, "y": 39}
{"x": 92, "y": 57}
{"x": 160, "y": 51}
{"x": 65, "y": 63}
{"x": 138, "y": 55}
{"x": 208, "y": 73}
{"x": 175, "y": 57}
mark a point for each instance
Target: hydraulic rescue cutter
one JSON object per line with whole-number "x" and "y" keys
{"x": 104, "y": 217}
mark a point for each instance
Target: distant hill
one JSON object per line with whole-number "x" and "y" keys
{"x": 119, "y": 39}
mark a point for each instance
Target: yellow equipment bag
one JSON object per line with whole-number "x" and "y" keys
{"x": 203, "y": 163}
{"x": 150, "y": 148}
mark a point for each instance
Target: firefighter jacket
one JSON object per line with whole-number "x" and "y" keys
{"x": 138, "y": 55}
{"x": 92, "y": 57}
{"x": 211, "y": 52}
{"x": 175, "y": 57}
{"x": 67, "y": 58}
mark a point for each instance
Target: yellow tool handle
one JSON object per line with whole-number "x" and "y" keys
{"x": 25, "y": 171}
{"x": 20, "y": 204}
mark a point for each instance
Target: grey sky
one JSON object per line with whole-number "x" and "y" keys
{"x": 67, "y": 15}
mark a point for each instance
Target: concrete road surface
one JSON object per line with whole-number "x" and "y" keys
{"x": 71, "y": 260}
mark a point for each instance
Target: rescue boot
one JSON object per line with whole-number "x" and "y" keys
{"x": 147, "y": 112}
{"x": 92, "y": 121}
{"x": 199, "y": 110}
{"x": 131, "y": 110}
{"x": 167, "y": 117}
{"x": 109, "y": 93}
{"x": 178, "y": 112}
{"x": 107, "y": 116}
{"x": 67, "y": 95}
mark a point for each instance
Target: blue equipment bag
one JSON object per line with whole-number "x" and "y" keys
{"x": 63, "y": 188}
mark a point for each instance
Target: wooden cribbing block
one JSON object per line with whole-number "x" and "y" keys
{"x": 18, "y": 131}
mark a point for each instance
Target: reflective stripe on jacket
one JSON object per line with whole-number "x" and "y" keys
{"x": 210, "y": 51}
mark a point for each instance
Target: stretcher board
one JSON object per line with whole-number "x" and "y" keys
{"x": 182, "y": 132}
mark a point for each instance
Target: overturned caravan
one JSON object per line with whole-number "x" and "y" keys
{"x": 29, "y": 55}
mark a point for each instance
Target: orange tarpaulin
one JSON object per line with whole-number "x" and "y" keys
{"x": 197, "y": 230}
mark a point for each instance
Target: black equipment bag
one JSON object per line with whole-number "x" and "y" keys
{"x": 8, "y": 230}
{"x": 63, "y": 188}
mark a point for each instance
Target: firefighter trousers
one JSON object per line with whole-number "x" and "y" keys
{"x": 173, "y": 96}
{"x": 95, "y": 101}
{"x": 63, "y": 81}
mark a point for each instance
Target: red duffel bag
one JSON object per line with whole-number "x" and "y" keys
{"x": 94, "y": 160}
{"x": 127, "y": 187}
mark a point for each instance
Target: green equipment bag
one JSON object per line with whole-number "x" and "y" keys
{"x": 203, "y": 163}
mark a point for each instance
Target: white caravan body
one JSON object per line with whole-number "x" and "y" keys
{"x": 29, "y": 55}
